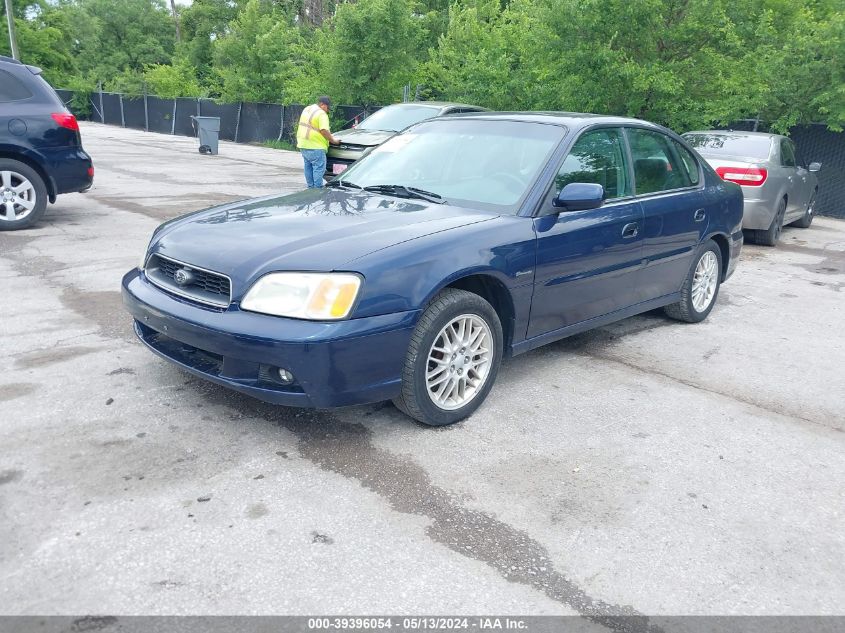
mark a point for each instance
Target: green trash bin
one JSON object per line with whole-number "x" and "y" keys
{"x": 208, "y": 133}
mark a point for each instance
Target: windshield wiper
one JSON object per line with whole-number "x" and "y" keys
{"x": 407, "y": 192}
{"x": 337, "y": 182}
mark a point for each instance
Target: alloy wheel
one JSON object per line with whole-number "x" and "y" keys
{"x": 459, "y": 361}
{"x": 704, "y": 281}
{"x": 17, "y": 196}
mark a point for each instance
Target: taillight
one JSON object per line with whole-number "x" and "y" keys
{"x": 745, "y": 176}
{"x": 66, "y": 120}
{"x": 91, "y": 172}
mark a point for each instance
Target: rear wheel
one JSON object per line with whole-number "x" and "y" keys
{"x": 807, "y": 219}
{"x": 452, "y": 360}
{"x": 770, "y": 236}
{"x": 701, "y": 287}
{"x": 23, "y": 195}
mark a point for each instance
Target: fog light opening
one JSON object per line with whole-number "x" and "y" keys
{"x": 285, "y": 377}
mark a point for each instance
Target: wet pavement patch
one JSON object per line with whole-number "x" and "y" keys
{"x": 16, "y": 390}
{"x": 347, "y": 450}
{"x": 44, "y": 357}
{"x": 9, "y": 476}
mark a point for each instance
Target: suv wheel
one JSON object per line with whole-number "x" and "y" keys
{"x": 23, "y": 195}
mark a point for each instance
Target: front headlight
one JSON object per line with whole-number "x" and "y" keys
{"x": 315, "y": 296}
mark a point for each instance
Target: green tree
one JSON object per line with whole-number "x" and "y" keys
{"x": 203, "y": 22}
{"x": 173, "y": 80}
{"x": 370, "y": 50}
{"x": 123, "y": 37}
{"x": 483, "y": 57}
{"x": 44, "y": 36}
{"x": 259, "y": 55}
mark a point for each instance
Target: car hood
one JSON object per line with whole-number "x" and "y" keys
{"x": 367, "y": 138}
{"x": 313, "y": 230}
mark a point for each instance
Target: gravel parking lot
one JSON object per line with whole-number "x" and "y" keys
{"x": 648, "y": 467}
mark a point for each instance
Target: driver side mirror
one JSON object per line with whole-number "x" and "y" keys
{"x": 580, "y": 196}
{"x": 815, "y": 167}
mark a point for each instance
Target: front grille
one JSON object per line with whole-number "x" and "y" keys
{"x": 203, "y": 286}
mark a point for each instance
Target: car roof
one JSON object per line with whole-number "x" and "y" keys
{"x": 437, "y": 104}
{"x": 572, "y": 120}
{"x": 736, "y": 133}
{"x": 10, "y": 60}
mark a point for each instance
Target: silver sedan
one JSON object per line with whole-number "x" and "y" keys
{"x": 778, "y": 185}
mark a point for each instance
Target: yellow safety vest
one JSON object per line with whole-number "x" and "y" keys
{"x": 308, "y": 134}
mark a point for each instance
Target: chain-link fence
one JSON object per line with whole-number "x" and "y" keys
{"x": 259, "y": 122}
{"x": 239, "y": 122}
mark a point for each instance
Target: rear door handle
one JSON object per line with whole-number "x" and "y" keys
{"x": 699, "y": 215}
{"x": 630, "y": 230}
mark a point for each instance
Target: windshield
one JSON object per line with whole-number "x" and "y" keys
{"x": 744, "y": 145}
{"x": 397, "y": 117}
{"x": 468, "y": 162}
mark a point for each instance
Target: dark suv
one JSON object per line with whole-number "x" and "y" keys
{"x": 41, "y": 151}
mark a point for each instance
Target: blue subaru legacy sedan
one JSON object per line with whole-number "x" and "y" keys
{"x": 460, "y": 241}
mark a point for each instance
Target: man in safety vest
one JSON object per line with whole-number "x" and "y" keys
{"x": 313, "y": 136}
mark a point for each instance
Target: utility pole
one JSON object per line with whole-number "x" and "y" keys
{"x": 176, "y": 20}
{"x": 13, "y": 41}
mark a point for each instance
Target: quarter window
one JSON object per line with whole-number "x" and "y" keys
{"x": 656, "y": 166}
{"x": 597, "y": 157}
{"x": 787, "y": 155}
{"x": 12, "y": 88}
{"x": 688, "y": 161}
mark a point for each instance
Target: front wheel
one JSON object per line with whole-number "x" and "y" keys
{"x": 452, "y": 360}
{"x": 701, "y": 287}
{"x": 23, "y": 195}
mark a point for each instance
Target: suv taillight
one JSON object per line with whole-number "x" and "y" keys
{"x": 745, "y": 176}
{"x": 66, "y": 120}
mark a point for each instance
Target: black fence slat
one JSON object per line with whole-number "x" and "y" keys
{"x": 160, "y": 114}
{"x": 259, "y": 122}
{"x": 185, "y": 109}
{"x": 111, "y": 109}
{"x": 133, "y": 112}
{"x": 228, "y": 113}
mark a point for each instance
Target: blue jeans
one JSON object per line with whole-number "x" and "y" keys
{"x": 315, "y": 167}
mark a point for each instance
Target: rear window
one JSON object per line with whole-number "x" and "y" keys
{"x": 12, "y": 88}
{"x": 731, "y": 144}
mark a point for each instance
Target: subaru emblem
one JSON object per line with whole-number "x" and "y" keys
{"x": 183, "y": 276}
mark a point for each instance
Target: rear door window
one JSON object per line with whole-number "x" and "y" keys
{"x": 656, "y": 165}
{"x": 12, "y": 88}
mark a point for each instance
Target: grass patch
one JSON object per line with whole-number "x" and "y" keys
{"x": 286, "y": 145}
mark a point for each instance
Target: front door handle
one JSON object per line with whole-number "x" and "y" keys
{"x": 699, "y": 215}
{"x": 630, "y": 230}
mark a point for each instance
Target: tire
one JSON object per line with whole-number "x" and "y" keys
{"x": 23, "y": 195}
{"x": 689, "y": 309}
{"x": 770, "y": 236}
{"x": 807, "y": 219}
{"x": 440, "y": 322}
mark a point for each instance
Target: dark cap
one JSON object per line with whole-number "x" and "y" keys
{"x": 326, "y": 100}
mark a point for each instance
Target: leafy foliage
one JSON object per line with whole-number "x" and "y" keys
{"x": 683, "y": 63}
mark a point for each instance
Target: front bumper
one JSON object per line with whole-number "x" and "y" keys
{"x": 333, "y": 363}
